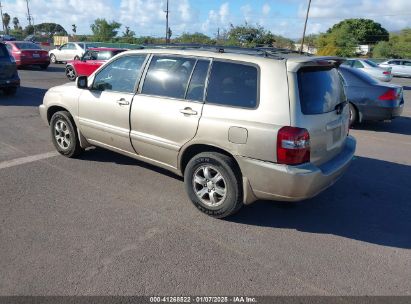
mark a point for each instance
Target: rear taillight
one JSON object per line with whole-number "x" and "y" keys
{"x": 389, "y": 95}
{"x": 293, "y": 146}
{"x": 386, "y": 72}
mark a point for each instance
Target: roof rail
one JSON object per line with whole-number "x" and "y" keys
{"x": 256, "y": 51}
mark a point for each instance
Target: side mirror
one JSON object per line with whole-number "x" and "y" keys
{"x": 82, "y": 82}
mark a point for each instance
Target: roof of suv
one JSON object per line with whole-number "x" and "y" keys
{"x": 241, "y": 54}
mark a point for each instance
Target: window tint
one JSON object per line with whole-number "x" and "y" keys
{"x": 120, "y": 75}
{"x": 27, "y": 46}
{"x": 197, "y": 84}
{"x": 233, "y": 84}
{"x": 104, "y": 55}
{"x": 90, "y": 55}
{"x": 358, "y": 64}
{"x": 168, "y": 76}
{"x": 64, "y": 47}
{"x": 407, "y": 63}
{"x": 320, "y": 90}
{"x": 71, "y": 46}
{"x": 348, "y": 63}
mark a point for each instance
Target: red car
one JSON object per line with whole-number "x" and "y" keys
{"x": 28, "y": 53}
{"x": 91, "y": 61}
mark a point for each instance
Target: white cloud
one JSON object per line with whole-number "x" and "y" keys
{"x": 266, "y": 9}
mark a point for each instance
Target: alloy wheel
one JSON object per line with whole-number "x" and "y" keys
{"x": 209, "y": 186}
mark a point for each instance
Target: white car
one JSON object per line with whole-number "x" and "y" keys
{"x": 371, "y": 68}
{"x": 69, "y": 51}
{"x": 399, "y": 67}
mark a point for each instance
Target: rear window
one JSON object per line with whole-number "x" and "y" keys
{"x": 233, "y": 84}
{"x": 371, "y": 63}
{"x": 27, "y": 46}
{"x": 320, "y": 90}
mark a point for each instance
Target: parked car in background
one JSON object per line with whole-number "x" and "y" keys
{"x": 7, "y": 38}
{"x": 9, "y": 77}
{"x": 370, "y": 99}
{"x": 27, "y": 53}
{"x": 399, "y": 67}
{"x": 69, "y": 51}
{"x": 238, "y": 126}
{"x": 371, "y": 68}
{"x": 91, "y": 61}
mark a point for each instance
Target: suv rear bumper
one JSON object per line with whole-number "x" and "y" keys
{"x": 271, "y": 181}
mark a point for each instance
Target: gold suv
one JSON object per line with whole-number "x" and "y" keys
{"x": 239, "y": 125}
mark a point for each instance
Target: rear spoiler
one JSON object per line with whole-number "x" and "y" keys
{"x": 294, "y": 64}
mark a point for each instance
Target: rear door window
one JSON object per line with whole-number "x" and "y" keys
{"x": 320, "y": 90}
{"x": 168, "y": 76}
{"x": 233, "y": 84}
{"x": 358, "y": 64}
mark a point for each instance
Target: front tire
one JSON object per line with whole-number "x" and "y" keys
{"x": 71, "y": 73}
{"x": 64, "y": 134}
{"x": 213, "y": 183}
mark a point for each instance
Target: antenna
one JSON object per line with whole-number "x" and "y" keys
{"x": 167, "y": 28}
{"x": 305, "y": 26}
{"x": 28, "y": 13}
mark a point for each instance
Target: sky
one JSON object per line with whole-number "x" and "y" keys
{"x": 147, "y": 17}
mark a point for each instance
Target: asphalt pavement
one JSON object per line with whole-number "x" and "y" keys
{"x": 107, "y": 224}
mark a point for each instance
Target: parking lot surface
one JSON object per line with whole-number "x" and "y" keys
{"x": 107, "y": 224}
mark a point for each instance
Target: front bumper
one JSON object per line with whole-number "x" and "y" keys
{"x": 271, "y": 181}
{"x": 43, "y": 113}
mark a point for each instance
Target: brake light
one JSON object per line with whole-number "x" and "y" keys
{"x": 389, "y": 95}
{"x": 293, "y": 146}
{"x": 386, "y": 72}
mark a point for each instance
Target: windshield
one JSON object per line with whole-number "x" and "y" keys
{"x": 27, "y": 46}
{"x": 321, "y": 89}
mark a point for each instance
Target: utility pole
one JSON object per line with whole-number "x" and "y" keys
{"x": 167, "y": 28}
{"x": 2, "y": 20}
{"x": 28, "y": 13}
{"x": 305, "y": 26}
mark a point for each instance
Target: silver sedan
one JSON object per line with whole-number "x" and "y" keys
{"x": 371, "y": 68}
{"x": 399, "y": 67}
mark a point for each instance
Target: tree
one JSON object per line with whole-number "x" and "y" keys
{"x": 6, "y": 22}
{"x": 248, "y": 35}
{"x": 399, "y": 46}
{"x": 197, "y": 38}
{"x": 16, "y": 23}
{"x": 364, "y": 31}
{"x": 338, "y": 42}
{"x": 104, "y": 31}
{"x": 50, "y": 29}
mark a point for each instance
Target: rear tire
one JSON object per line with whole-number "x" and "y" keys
{"x": 64, "y": 134}
{"x": 213, "y": 183}
{"x": 353, "y": 115}
{"x": 71, "y": 73}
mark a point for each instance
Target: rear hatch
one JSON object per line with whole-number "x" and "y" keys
{"x": 7, "y": 67}
{"x": 318, "y": 104}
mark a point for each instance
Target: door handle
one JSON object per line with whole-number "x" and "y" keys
{"x": 188, "y": 111}
{"x": 123, "y": 102}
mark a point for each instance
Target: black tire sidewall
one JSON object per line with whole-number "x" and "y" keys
{"x": 233, "y": 200}
{"x": 74, "y": 144}
{"x": 353, "y": 115}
